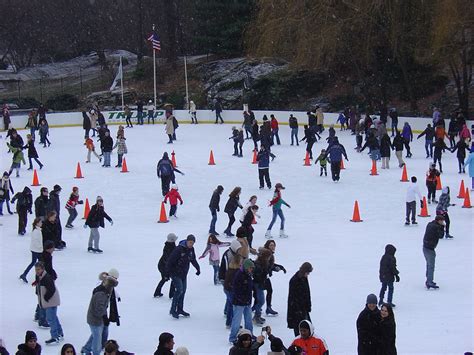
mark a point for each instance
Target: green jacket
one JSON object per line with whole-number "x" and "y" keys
{"x": 17, "y": 154}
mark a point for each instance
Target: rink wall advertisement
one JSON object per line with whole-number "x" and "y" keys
{"x": 64, "y": 119}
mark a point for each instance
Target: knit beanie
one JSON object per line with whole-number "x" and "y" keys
{"x": 248, "y": 264}
{"x": 181, "y": 351}
{"x": 114, "y": 273}
{"x": 371, "y": 299}
{"x": 30, "y": 335}
{"x": 171, "y": 238}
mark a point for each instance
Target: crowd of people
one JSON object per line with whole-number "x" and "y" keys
{"x": 244, "y": 270}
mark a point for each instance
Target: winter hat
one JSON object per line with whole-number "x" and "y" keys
{"x": 279, "y": 185}
{"x": 220, "y": 188}
{"x": 248, "y": 264}
{"x": 114, "y": 273}
{"x": 191, "y": 238}
{"x": 304, "y": 324}
{"x": 99, "y": 199}
{"x": 371, "y": 299}
{"x": 111, "y": 346}
{"x": 5, "y": 173}
{"x": 48, "y": 244}
{"x": 174, "y": 186}
{"x": 241, "y": 232}
{"x": 244, "y": 333}
{"x": 181, "y": 351}
{"x": 439, "y": 218}
{"x": 171, "y": 238}
{"x": 30, "y": 335}
{"x": 57, "y": 188}
{"x": 165, "y": 338}
{"x": 306, "y": 267}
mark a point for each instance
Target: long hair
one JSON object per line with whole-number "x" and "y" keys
{"x": 35, "y": 222}
{"x": 235, "y": 192}
{"x": 212, "y": 239}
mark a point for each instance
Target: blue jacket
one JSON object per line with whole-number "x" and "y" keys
{"x": 242, "y": 287}
{"x": 263, "y": 158}
{"x": 407, "y": 133}
{"x": 335, "y": 152}
{"x": 470, "y": 161}
{"x": 179, "y": 260}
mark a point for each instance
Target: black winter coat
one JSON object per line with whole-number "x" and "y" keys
{"x": 96, "y": 216}
{"x": 86, "y": 121}
{"x": 179, "y": 260}
{"x": 215, "y": 199}
{"x": 368, "y": 332}
{"x": 162, "y": 351}
{"x": 54, "y": 203}
{"x": 385, "y": 146}
{"x": 47, "y": 260}
{"x": 260, "y": 274}
{"x": 461, "y": 147}
{"x": 372, "y": 143}
{"x": 167, "y": 250}
{"x": 429, "y": 134}
{"x": 32, "y": 153}
{"x": 387, "y": 331}
{"x": 50, "y": 231}
{"x": 24, "y": 349}
{"x": 41, "y": 206}
{"x": 232, "y": 204}
{"x": 299, "y": 301}
{"x": 106, "y": 144}
{"x": 433, "y": 233}
{"x": 24, "y": 200}
{"x": 398, "y": 143}
{"x": 242, "y": 286}
{"x": 388, "y": 265}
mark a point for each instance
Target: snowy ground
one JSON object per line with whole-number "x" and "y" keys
{"x": 345, "y": 255}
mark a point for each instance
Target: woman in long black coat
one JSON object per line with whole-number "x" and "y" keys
{"x": 299, "y": 298}
{"x": 86, "y": 124}
{"x": 385, "y": 150}
{"x": 387, "y": 331}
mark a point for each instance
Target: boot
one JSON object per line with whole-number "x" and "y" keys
{"x": 282, "y": 234}
{"x": 183, "y": 313}
{"x": 270, "y": 311}
{"x": 268, "y": 234}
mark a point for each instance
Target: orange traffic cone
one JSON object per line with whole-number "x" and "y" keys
{"x": 254, "y": 159}
{"x": 438, "y": 183}
{"x": 78, "y": 172}
{"x": 342, "y": 164}
{"x": 462, "y": 191}
{"x": 356, "y": 215}
{"x": 173, "y": 159}
{"x": 163, "y": 218}
{"x": 373, "y": 171}
{"x": 306, "y": 160}
{"x": 124, "y": 166}
{"x": 404, "y": 174}
{"x": 211, "y": 159}
{"x": 467, "y": 200}
{"x": 424, "y": 209}
{"x": 35, "y": 179}
{"x": 87, "y": 209}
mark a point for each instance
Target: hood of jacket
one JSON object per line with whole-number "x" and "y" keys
{"x": 390, "y": 249}
{"x": 309, "y": 324}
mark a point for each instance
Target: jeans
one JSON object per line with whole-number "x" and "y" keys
{"x": 275, "y": 135}
{"x": 180, "y": 291}
{"x": 238, "y": 311}
{"x": 260, "y": 300}
{"x": 294, "y": 135}
{"x": 248, "y": 131}
{"x": 94, "y": 343}
{"x": 151, "y": 115}
{"x": 52, "y": 318}
{"x": 394, "y": 127}
{"x": 218, "y": 116}
{"x": 216, "y": 274}
{"x": 40, "y": 315}
{"x": 309, "y": 149}
{"x": 429, "y": 149}
{"x": 277, "y": 212}
{"x": 411, "y": 209}
{"x": 430, "y": 257}
{"x": 228, "y": 308}
{"x": 119, "y": 160}
{"x": 72, "y": 216}
{"x": 390, "y": 291}
{"x": 94, "y": 238}
{"x": 212, "y": 227}
{"x": 140, "y": 117}
{"x": 231, "y": 222}
{"x": 128, "y": 121}
{"x": 30, "y": 159}
{"x": 106, "y": 159}
{"x": 34, "y": 258}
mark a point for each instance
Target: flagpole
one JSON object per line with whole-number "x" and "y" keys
{"x": 121, "y": 81}
{"x": 154, "y": 70}
{"x": 186, "y": 81}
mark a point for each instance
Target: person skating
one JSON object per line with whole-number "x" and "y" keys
{"x": 374, "y": 147}
{"x": 394, "y": 118}
{"x": 168, "y": 248}
{"x": 248, "y": 220}
{"x": 429, "y": 137}
{"x": 44, "y": 132}
{"x": 71, "y": 206}
{"x": 121, "y": 149}
{"x": 165, "y": 171}
{"x": 140, "y": 113}
{"x": 310, "y": 138}
{"x": 412, "y": 193}
{"x": 255, "y": 134}
{"x": 24, "y": 203}
{"x": 214, "y": 208}
{"x": 266, "y": 136}
{"x": 388, "y": 273}
{"x": 94, "y": 220}
{"x": 387, "y": 330}
{"x": 342, "y": 120}
{"x": 30, "y": 346}
{"x": 367, "y": 327}
{"x": 273, "y": 267}
{"x": 106, "y": 144}
{"x": 212, "y": 248}
{"x": 193, "y": 112}
{"x": 308, "y": 341}
{"x": 48, "y": 299}
{"x": 86, "y": 124}
{"x": 173, "y": 196}
{"x": 17, "y": 159}
{"x": 469, "y": 162}
{"x": 439, "y": 148}
{"x": 42, "y": 203}
{"x": 177, "y": 267}
{"x": 385, "y": 150}
{"x": 260, "y": 277}
{"x": 246, "y": 344}
{"x": 252, "y": 202}
{"x": 275, "y": 129}
{"x": 50, "y": 230}
{"x": 238, "y": 138}
{"x": 6, "y": 117}
{"x": 5, "y": 189}
{"x": 218, "y": 109}
{"x": 293, "y": 123}
{"x": 32, "y": 153}
{"x": 55, "y": 205}
{"x": 169, "y": 128}
{"x": 299, "y": 298}
{"x": 442, "y": 209}
{"x": 89, "y": 143}
{"x": 335, "y": 153}
{"x": 247, "y": 124}
{"x": 433, "y": 233}
{"x": 407, "y": 135}
{"x": 461, "y": 148}
{"x": 36, "y": 247}
{"x": 230, "y": 207}
{"x": 431, "y": 180}
{"x": 398, "y": 144}
{"x": 276, "y": 203}
{"x": 263, "y": 159}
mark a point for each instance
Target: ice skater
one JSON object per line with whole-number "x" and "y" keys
{"x": 214, "y": 208}
{"x": 94, "y": 220}
{"x": 212, "y": 248}
{"x": 165, "y": 171}
{"x": 121, "y": 149}
{"x": 71, "y": 206}
{"x": 276, "y": 203}
{"x": 263, "y": 159}
{"x": 168, "y": 248}
{"x": 89, "y": 143}
{"x": 5, "y": 189}
{"x": 32, "y": 153}
{"x": 310, "y": 138}
{"x": 24, "y": 203}
{"x": 174, "y": 196}
{"x": 439, "y": 148}
{"x": 323, "y": 162}
{"x": 461, "y": 147}
{"x": 412, "y": 193}
{"x": 335, "y": 153}
{"x": 36, "y": 247}
{"x": 442, "y": 209}
{"x": 388, "y": 273}
{"x": 17, "y": 159}
{"x": 230, "y": 207}
{"x": 431, "y": 180}
{"x": 433, "y": 233}
{"x": 429, "y": 137}
{"x": 469, "y": 162}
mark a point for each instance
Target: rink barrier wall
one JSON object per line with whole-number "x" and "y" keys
{"x": 234, "y": 117}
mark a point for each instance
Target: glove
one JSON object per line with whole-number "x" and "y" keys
{"x": 80, "y": 202}
{"x": 111, "y": 222}
{"x": 289, "y": 206}
{"x": 198, "y": 272}
{"x": 397, "y": 278}
{"x": 181, "y": 203}
{"x": 201, "y": 257}
{"x": 421, "y": 203}
{"x": 85, "y": 226}
{"x": 284, "y": 270}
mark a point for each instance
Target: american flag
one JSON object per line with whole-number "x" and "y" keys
{"x": 155, "y": 41}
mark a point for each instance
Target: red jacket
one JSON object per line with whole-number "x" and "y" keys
{"x": 173, "y": 195}
{"x": 274, "y": 123}
{"x": 73, "y": 201}
{"x": 311, "y": 345}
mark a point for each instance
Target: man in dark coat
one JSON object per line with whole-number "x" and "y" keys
{"x": 299, "y": 298}
{"x": 177, "y": 267}
{"x": 388, "y": 273}
{"x": 367, "y": 327}
{"x": 263, "y": 158}
{"x": 41, "y": 203}
{"x": 165, "y": 171}
{"x": 106, "y": 144}
{"x": 335, "y": 151}
{"x": 214, "y": 208}
{"x": 94, "y": 220}
{"x": 433, "y": 233}
{"x": 23, "y": 206}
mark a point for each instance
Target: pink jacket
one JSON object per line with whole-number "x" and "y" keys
{"x": 213, "y": 251}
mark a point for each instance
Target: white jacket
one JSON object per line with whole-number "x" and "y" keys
{"x": 150, "y": 107}
{"x": 412, "y": 192}
{"x": 36, "y": 243}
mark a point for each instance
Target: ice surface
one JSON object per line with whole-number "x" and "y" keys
{"x": 345, "y": 255}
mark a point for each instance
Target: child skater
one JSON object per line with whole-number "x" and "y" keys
{"x": 276, "y": 203}
{"x": 323, "y": 161}
{"x": 36, "y": 247}
{"x": 168, "y": 248}
{"x": 173, "y": 195}
{"x": 212, "y": 248}
{"x": 71, "y": 206}
{"x": 32, "y": 153}
{"x": 17, "y": 159}
{"x": 248, "y": 205}
{"x": 235, "y": 138}
{"x": 121, "y": 149}
{"x": 230, "y": 208}
{"x": 431, "y": 181}
{"x": 89, "y": 143}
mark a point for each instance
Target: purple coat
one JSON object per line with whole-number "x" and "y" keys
{"x": 407, "y": 134}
